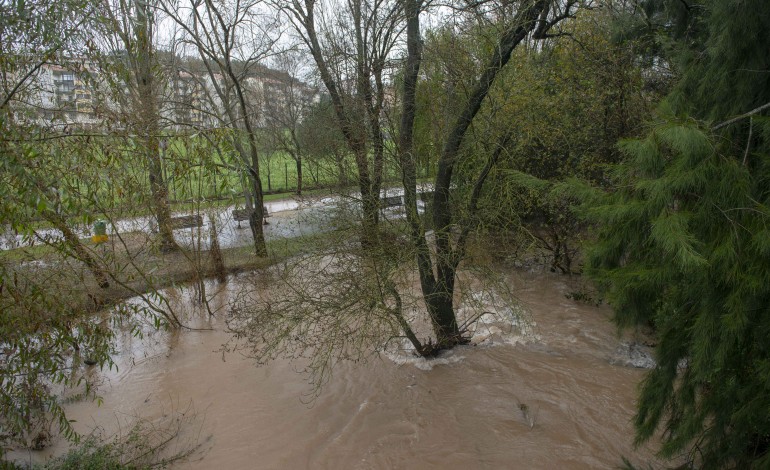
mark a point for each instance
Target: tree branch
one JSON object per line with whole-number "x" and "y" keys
{"x": 742, "y": 116}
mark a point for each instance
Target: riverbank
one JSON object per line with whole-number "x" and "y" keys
{"x": 135, "y": 265}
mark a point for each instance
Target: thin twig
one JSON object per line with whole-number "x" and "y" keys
{"x": 748, "y": 141}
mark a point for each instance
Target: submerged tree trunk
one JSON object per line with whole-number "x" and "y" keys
{"x": 408, "y": 165}
{"x": 448, "y": 256}
{"x": 438, "y": 287}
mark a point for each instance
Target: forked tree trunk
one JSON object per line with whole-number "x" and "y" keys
{"x": 438, "y": 288}
{"x": 448, "y": 257}
{"x": 408, "y": 166}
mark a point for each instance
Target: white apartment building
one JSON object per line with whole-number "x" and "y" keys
{"x": 77, "y": 97}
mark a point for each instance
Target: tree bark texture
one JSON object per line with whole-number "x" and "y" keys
{"x": 149, "y": 114}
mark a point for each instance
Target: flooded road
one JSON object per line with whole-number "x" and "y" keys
{"x": 303, "y": 217}
{"x": 556, "y": 396}
{"x": 296, "y": 216}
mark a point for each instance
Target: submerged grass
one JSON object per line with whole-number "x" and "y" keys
{"x": 145, "y": 446}
{"x": 137, "y": 266}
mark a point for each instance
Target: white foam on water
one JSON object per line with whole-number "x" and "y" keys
{"x": 490, "y": 322}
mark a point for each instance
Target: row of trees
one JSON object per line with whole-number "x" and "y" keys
{"x": 60, "y": 176}
{"x": 206, "y": 78}
{"x": 63, "y": 176}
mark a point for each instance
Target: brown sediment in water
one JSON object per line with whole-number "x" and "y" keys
{"x": 549, "y": 399}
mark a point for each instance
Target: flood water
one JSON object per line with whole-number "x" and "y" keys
{"x": 296, "y": 216}
{"x": 559, "y": 396}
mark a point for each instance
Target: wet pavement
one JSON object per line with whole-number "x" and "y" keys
{"x": 289, "y": 218}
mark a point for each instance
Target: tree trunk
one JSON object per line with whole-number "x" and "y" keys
{"x": 81, "y": 253}
{"x": 249, "y": 204}
{"x": 299, "y": 175}
{"x": 343, "y": 174}
{"x": 159, "y": 192}
{"x": 448, "y": 256}
{"x": 215, "y": 251}
{"x": 253, "y": 193}
{"x": 257, "y": 215}
{"x": 408, "y": 165}
{"x": 370, "y": 202}
{"x": 437, "y": 292}
{"x": 353, "y": 132}
{"x": 149, "y": 115}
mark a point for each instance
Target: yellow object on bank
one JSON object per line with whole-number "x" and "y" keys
{"x": 100, "y": 232}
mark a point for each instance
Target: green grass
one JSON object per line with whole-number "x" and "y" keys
{"x": 108, "y": 178}
{"x": 26, "y": 253}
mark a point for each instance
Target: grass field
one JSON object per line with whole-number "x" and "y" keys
{"x": 109, "y": 176}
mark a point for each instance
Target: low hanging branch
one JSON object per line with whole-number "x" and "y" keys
{"x": 742, "y": 116}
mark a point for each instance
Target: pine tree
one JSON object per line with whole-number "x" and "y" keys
{"x": 683, "y": 242}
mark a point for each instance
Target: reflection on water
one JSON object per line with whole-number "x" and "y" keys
{"x": 550, "y": 393}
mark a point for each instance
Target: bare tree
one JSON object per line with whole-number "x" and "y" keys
{"x": 287, "y": 102}
{"x": 138, "y": 89}
{"x": 231, "y": 38}
{"x": 351, "y": 42}
{"x": 341, "y": 300}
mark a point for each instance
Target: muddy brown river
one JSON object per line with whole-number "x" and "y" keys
{"x": 560, "y": 396}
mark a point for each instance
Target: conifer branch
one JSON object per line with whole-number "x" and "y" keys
{"x": 742, "y": 116}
